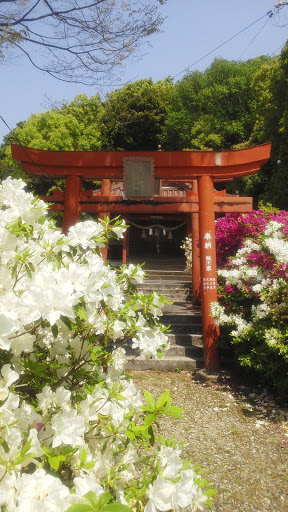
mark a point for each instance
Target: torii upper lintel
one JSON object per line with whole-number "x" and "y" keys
{"x": 175, "y": 165}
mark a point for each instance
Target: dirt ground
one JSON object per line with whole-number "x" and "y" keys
{"x": 237, "y": 433}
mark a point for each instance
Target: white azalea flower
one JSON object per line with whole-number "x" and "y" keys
{"x": 40, "y": 491}
{"x": 119, "y": 230}
{"x": 23, "y": 343}
{"x": 85, "y": 484}
{"x": 170, "y": 461}
{"x": 160, "y": 495}
{"x": 137, "y": 273}
{"x": 119, "y": 360}
{"x": 68, "y": 428}
{"x": 50, "y": 296}
{"x": 149, "y": 341}
{"x": 272, "y": 229}
{"x": 82, "y": 233}
{"x": 45, "y": 399}
{"x": 8, "y": 377}
{"x": 118, "y": 329}
{"x": 60, "y": 398}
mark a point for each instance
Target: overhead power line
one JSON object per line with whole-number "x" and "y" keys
{"x": 269, "y": 14}
{"x": 260, "y": 30}
{"x": 7, "y": 126}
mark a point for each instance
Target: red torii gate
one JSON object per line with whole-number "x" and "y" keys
{"x": 202, "y": 168}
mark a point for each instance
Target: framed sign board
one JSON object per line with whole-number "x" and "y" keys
{"x": 138, "y": 178}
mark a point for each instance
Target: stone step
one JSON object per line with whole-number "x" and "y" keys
{"x": 166, "y": 280}
{"x": 172, "y": 295}
{"x": 185, "y": 328}
{"x": 173, "y": 285}
{"x": 168, "y": 276}
{"x": 167, "y": 363}
{"x": 186, "y": 340}
{"x": 174, "y": 349}
{"x": 180, "y": 350}
{"x": 187, "y": 318}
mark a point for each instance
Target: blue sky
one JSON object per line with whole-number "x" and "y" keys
{"x": 191, "y": 30}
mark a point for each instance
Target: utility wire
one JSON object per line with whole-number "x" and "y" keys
{"x": 278, "y": 49}
{"x": 7, "y": 126}
{"x": 252, "y": 41}
{"x": 269, "y": 14}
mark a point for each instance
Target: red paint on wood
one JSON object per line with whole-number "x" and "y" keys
{"x": 177, "y": 165}
{"x": 71, "y": 202}
{"x": 208, "y": 270}
{"x": 195, "y": 253}
{"x": 125, "y": 246}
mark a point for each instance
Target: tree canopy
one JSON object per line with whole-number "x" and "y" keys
{"x": 228, "y": 106}
{"x": 135, "y": 115}
{"x": 76, "y": 41}
{"x": 215, "y": 109}
{"x": 76, "y": 126}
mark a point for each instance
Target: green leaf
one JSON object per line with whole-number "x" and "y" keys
{"x": 210, "y": 493}
{"x": 151, "y": 435}
{"x": 163, "y": 400}
{"x": 95, "y": 502}
{"x": 89, "y": 465}
{"x": 67, "y": 322}
{"x": 54, "y": 330}
{"x": 67, "y": 450}
{"x": 129, "y": 434}
{"x": 173, "y": 411}
{"x": 80, "y": 313}
{"x": 115, "y": 507}
{"x": 149, "y": 399}
{"x": 150, "y": 418}
{"x": 5, "y": 445}
{"x": 102, "y": 500}
{"x": 83, "y": 456}
{"x": 54, "y": 462}
{"x": 80, "y": 507}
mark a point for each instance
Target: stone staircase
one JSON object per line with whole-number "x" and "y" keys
{"x": 186, "y": 345}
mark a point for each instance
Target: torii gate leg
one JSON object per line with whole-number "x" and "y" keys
{"x": 208, "y": 270}
{"x": 105, "y": 191}
{"x": 71, "y": 202}
{"x": 125, "y": 247}
{"x": 195, "y": 252}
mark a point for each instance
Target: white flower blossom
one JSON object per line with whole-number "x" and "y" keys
{"x": 9, "y": 376}
{"x": 40, "y": 491}
{"x": 119, "y": 230}
{"x": 150, "y": 341}
{"x": 68, "y": 428}
{"x": 81, "y": 234}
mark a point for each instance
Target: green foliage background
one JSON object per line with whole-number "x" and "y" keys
{"x": 228, "y": 106}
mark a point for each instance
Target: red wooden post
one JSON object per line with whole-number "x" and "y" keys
{"x": 208, "y": 270}
{"x": 125, "y": 248}
{"x": 71, "y": 202}
{"x": 195, "y": 253}
{"x": 106, "y": 187}
{"x": 105, "y": 191}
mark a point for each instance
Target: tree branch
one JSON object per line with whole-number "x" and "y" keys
{"x": 82, "y": 43}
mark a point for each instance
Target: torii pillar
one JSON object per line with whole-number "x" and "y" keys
{"x": 208, "y": 269}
